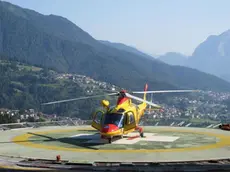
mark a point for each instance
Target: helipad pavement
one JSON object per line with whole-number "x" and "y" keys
{"x": 81, "y": 144}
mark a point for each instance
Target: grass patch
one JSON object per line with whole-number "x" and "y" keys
{"x": 50, "y": 85}
{"x": 197, "y": 120}
{"x": 17, "y": 83}
{"x": 30, "y": 68}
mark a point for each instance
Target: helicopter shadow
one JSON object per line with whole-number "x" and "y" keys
{"x": 88, "y": 131}
{"x": 79, "y": 141}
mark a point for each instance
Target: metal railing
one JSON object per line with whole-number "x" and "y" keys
{"x": 24, "y": 125}
{"x": 73, "y": 122}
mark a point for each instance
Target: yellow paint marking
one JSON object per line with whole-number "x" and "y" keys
{"x": 224, "y": 141}
{"x": 22, "y": 168}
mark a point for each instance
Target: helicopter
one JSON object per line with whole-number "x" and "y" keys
{"x": 124, "y": 117}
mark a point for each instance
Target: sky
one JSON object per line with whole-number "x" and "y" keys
{"x": 153, "y": 26}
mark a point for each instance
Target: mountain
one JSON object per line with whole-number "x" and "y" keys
{"x": 173, "y": 58}
{"x": 25, "y": 87}
{"x": 126, "y": 48}
{"x": 213, "y": 55}
{"x": 55, "y": 42}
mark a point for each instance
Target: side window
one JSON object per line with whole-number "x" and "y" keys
{"x": 98, "y": 117}
{"x": 130, "y": 118}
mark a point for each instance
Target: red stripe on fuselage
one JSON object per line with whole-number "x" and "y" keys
{"x": 121, "y": 100}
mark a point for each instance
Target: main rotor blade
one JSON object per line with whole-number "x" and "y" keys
{"x": 111, "y": 91}
{"x": 165, "y": 91}
{"x": 142, "y": 100}
{"x": 80, "y": 98}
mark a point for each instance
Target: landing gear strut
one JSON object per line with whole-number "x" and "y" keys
{"x": 140, "y": 131}
{"x": 110, "y": 140}
{"x": 142, "y": 134}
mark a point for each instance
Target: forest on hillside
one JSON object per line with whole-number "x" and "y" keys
{"x": 24, "y": 87}
{"x": 55, "y": 42}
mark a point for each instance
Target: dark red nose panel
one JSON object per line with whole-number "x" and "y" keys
{"x": 109, "y": 128}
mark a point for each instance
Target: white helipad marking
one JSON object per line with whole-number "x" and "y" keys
{"x": 127, "y": 139}
{"x": 162, "y": 138}
{"x": 148, "y": 137}
{"x": 86, "y": 136}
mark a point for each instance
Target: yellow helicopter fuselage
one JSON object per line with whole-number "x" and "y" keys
{"x": 119, "y": 120}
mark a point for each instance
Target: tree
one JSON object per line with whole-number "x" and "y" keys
{"x": 31, "y": 119}
{"x": 41, "y": 119}
{"x": 227, "y": 103}
{"x": 21, "y": 112}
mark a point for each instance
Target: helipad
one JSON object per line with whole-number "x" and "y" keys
{"x": 131, "y": 138}
{"x": 160, "y": 144}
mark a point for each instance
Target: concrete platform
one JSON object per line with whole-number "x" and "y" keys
{"x": 162, "y": 144}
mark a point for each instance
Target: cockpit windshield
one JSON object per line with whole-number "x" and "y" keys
{"x": 114, "y": 118}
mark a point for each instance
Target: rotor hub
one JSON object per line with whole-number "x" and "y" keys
{"x": 122, "y": 93}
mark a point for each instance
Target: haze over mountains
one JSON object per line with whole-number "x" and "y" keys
{"x": 211, "y": 56}
{"x": 173, "y": 58}
{"x": 126, "y": 48}
{"x": 55, "y": 42}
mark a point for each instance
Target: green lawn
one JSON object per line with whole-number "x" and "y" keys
{"x": 33, "y": 68}
{"x": 50, "y": 85}
{"x": 196, "y": 120}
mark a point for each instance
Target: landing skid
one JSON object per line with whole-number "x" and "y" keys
{"x": 114, "y": 138}
{"x": 110, "y": 140}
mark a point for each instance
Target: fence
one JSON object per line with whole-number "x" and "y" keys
{"x": 22, "y": 125}
{"x": 71, "y": 122}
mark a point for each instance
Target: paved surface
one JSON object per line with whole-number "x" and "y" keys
{"x": 20, "y": 144}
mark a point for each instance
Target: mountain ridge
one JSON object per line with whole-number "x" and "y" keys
{"x": 42, "y": 44}
{"x": 173, "y": 58}
{"x": 127, "y": 48}
{"x": 211, "y": 56}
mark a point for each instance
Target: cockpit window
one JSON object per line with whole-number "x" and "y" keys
{"x": 131, "y": 117}
{"x": 114, "y": 118}
{"x": 98, "y": 116}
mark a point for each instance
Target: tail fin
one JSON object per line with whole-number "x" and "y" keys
{"x": 145, "y": 89}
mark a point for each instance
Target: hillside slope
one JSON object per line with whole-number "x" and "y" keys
{"x": 126, "y": 48}
{"x": 173, "y": 58}
{"x": 213, "y": 55}
{"x": 24, "y": 87}
{"x": 53, "y": 41}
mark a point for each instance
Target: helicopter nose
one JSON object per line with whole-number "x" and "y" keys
{"x": 109, "y": 128}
